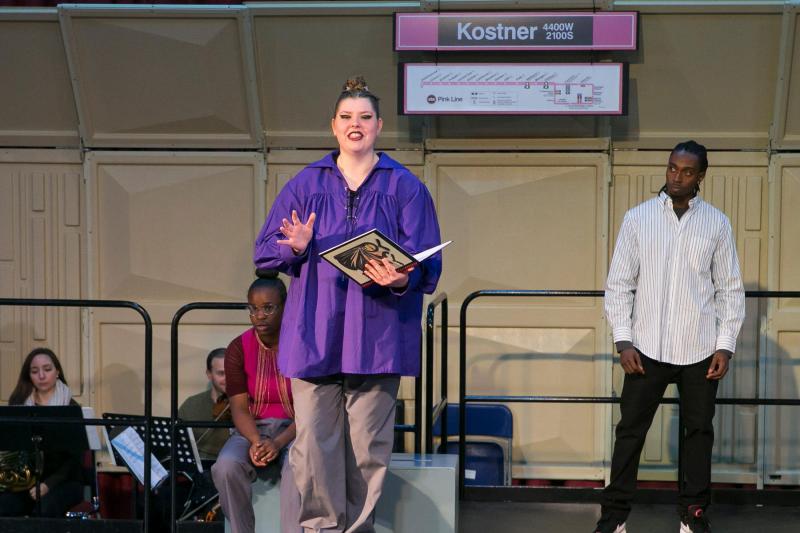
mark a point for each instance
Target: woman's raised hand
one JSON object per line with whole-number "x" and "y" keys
{"x": 297, "y": 233}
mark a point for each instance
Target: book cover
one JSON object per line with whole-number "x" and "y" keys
{"x": 351, "y": 256}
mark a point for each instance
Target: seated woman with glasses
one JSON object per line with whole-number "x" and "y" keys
{"x": 41, "y": 382}
{"x": 261, "y": 406}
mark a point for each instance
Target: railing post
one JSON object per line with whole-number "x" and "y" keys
{"x": 462, "y": 391}
{"x": 418, "y": 404}
{"x": 443, "y": 370}
{"x": 429, "y": 342}
{"x": 429, "y": 331}
{"x": 174, "y": 368}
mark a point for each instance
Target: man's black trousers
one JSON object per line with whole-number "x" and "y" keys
{"x": 640, "y": 399}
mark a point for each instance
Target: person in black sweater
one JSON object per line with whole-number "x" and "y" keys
{"x": 42, "y": 383}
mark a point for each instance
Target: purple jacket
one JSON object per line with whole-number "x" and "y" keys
{"x": 330, "y": 324}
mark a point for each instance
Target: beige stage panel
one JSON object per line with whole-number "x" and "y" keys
{"x": 304, "y": 59}
{"x": 174, "y": 227}
{"x": 698, "y": 6}
{"x": 38, "y": 107}
{"x": 710, "y": 76}
{"x": 786, "y": 127}
{"x": 782, "y": 344}
{"x": 737, "y": 184}
{"x": 167, "y": 229}
{"x": 119, "y": 378}
{"x": 562, "y": 441}
{"x": 166, "y": 77}
{"x": 42, "y": 255}
{"x": 500, "y": 210}
{"x": 530, "y": 221}
{"x": 510, "y": 127}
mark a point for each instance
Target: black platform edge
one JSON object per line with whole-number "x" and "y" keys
{"x": 776, "y": 496}
{"x": 68, "y": 525}
{"x": 201, "y": 527}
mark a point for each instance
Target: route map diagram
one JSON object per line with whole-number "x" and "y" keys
{"x": 579, "y": 89}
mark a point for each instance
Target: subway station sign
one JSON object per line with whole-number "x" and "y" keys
{"x": 516, "y": 31}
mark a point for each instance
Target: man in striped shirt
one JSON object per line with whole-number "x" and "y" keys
{"x": 675, "y": 302}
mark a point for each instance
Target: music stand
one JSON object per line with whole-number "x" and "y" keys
{"x": 42, "y": 437}
{"x": 186, "y": 448}
{"x": 187, "y": 456}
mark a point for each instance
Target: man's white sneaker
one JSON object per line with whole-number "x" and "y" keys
{"x": 694, "y": 520}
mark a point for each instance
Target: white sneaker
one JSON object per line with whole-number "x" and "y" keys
{"x": 694, "y": 520}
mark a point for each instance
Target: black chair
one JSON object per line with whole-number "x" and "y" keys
{"x": 90, "y": 506}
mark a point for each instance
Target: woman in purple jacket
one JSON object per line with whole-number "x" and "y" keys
{"x": 344, "y": 346}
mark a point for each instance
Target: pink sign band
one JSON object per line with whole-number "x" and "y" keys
{"x": 615, "y": 30}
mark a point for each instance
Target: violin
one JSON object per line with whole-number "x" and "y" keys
{"x": 211, "y": 515}
{"x": 221, "y": 411}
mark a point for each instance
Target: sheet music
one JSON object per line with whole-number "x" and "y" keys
{"x": 130, "y": 447}
{"x": 98, "y": 437}
{"x": 195, "y": 451}
{"x": 92, "y": 434}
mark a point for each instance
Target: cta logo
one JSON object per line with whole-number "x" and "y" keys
{"x": 431, "y": 99}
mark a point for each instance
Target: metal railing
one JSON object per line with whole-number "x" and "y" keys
{"x": 462, "y": 378}
{"x": 433, "y": 412}
{"x": 148, "y": 378}
{"x": 175, "y": 424}
{"x": 425, "y": 362}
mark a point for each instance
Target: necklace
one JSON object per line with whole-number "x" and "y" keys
{"x": 266, "y": 366}
{"x": 262, "y": 376}
{"x": 352, "y": 183}
{"x": 260, "y": 342}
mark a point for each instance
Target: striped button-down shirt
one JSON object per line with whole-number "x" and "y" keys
{"x": 674, "y": 288}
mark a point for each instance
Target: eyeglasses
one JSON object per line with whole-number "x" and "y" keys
{"x": 266, "y": 310}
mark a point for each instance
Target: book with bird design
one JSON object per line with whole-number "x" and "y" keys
{"x": 352, "y": 256}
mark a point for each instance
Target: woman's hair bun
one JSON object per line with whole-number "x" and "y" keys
{"x": 357, "y": 83}
{"x": 266, "y": 273}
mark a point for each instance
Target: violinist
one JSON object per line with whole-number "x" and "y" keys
{"x": 211, "y": 404}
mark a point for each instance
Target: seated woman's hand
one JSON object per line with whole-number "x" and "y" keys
{"x": 257, "y": 454}
{"x": 271, "y": 450}
{"x": 384, "y": 274}
{"x": 263, "y": 452}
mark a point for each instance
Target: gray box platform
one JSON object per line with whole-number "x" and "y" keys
{"x": 420, "y": 494}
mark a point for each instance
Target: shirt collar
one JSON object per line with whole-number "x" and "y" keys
{"x": 666, "y": 200}
{"x": 329, "y": 161}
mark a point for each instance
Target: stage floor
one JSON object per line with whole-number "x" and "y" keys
{"x": 497, "y": 517}
{"x": 508, "y": 517}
